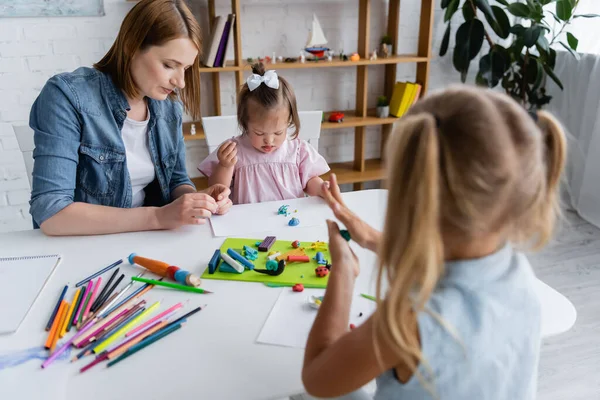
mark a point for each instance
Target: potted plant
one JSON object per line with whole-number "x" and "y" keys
{"x": 526, "y": 57}
{"x": 386, "y": 46}
{"x": 383, "y": 107}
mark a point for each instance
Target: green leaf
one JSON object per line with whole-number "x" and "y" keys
{"x": 551, "y": 58}
{"x": 503, "y": 2}
{"x": 517, "y": 29}
{"x": 564, "y": 10}
{"x": 519, "y": 10}
{"x": 467, "y": 11}
{"x": 531, "y": 35}
{"x": 572, "y": 40}
{"x": 452, "y": 7}
{"x": 573, "y": 53}
{"x": 555, "y": 17}
{"x": 586, "y": 16}
{"x": 484, "y": 6}
{"x": 469, "y": 39}
{"x": 445, "y": 3}
{"x": 550, "y": 73}
{"x": 493, "y": 65}
{"x": 445, "y": 41}
{"x": 539, "y": 75}
{"x": 502, "y": 24}
{"x": 543, "y": 44}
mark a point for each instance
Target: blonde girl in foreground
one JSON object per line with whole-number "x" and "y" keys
{"x": 472, "y": 181}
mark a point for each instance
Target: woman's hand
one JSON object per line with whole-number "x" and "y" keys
{"x": 220, "y": 193}
{"x": 227, "y": 154}
{"x": 188, "y": 209}
{"x": 362, "y": 233}
{"x": 342, "y": 255}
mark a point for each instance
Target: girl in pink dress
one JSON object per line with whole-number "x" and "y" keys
{"x": 264, "y": 163}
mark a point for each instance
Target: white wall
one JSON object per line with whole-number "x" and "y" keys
{"x": 34, "y": 49}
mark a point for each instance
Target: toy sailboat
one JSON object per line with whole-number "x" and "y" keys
{"x": 316, "y": 42}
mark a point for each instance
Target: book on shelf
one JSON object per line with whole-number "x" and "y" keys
{"x": 405, "y": 94}
{"x": 216, "y": 47}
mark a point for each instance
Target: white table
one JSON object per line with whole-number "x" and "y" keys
{"x": 214, "y": 356}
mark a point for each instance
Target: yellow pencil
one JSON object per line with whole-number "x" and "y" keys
{"x": 102, "y": 346}
{"x": 69, "y": 314}
{"x": 55, "y": 324}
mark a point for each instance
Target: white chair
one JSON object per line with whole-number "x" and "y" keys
{"x": 24, "y": 135}
{"x": 219, "y": 129}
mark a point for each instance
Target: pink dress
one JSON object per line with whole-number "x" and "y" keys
{"x": 280, "y": 175}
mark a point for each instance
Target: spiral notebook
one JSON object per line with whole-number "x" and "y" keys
{"x": 21, "y": 281}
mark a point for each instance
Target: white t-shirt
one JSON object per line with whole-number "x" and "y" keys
{"x": 139, "y": 162}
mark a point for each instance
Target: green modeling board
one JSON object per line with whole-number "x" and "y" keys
{"x": 292, "y": 274}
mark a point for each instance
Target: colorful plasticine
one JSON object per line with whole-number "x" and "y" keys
{"x": 250, "y": 253}
{"x": 320, "y": 258}
{"x": 298, "y": 258}
{"x": 239, "y": 258}
{"x": 267, "y": 243}
{"x": 232, "y": 263}
{"x": 214, "y": 261}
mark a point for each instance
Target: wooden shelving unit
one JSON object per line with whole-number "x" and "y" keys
{"x": 360, "y": 170}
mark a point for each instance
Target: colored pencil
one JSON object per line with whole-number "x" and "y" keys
{"x": 104, "y": 336}
{"x": 80, "y": 321}
{"x": 144, "y": 343}
{"x": 124, "y": 329}
{"x": 63, "y": 329}
{"x": 97, "y": 360}
{"x": 85, "y": 351}
{"x": 110, "y": 292}
{"x": 98, "y": 327}
{"x": 153, "y": 319}
{"x": 100, "y": 299}
{"x": 184, "y": 317}
{"x": 171, "y": 285}
{"x": 61, "y": 321}
{"x": 55, "y": 324}
{"x": 139, "y": 292}
{"x": 55, "y": 311}
{"x": 64, "y": 347}
{"x": 103, "y": 270}
{"x": 82, "y": 303}
{"x": 92, "y": 298}
{"x": 366, "y": 296}
{"x": 126, "y": 345}
{"x": 76, "y": 301}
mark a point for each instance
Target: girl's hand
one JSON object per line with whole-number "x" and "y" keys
{"x": 362, "y": 233}
{"x": 188, "y": 209}
{"x": 227, "y": 154}
{"x": 342, "y": 255}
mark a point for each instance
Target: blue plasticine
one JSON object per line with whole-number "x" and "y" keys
{"x": 251, "y": 254}
{"x": 180, "y": 276}
{"x": 294, "y": 222}
{"x": 224, "y": 267}
{"x": 257, "y": 243}
{"x": 272, "y": 265}
{"x": 130, "y": 258}
{"x": 214, "y": 261}
{"x": 320, "y": 258}
{"x": 238, "y": 257}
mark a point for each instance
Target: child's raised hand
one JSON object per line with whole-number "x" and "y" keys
{"x": 227, "y": 154}
{"x": 342, "y": 255}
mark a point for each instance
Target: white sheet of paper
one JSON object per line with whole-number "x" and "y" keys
{"x": 21, "y": 281}
{"x": 291, "y": 318}
{"x": 263, "y": 217}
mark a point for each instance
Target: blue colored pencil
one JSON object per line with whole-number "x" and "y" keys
{"x": 144, "y": 343}
{"x": 62, "y": 296}
{"x": 103, "y": 270}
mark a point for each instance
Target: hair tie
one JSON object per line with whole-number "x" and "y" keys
{"x": 269, "y": 78}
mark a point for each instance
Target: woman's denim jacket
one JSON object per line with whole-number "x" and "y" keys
{"x": 79, "y": 153}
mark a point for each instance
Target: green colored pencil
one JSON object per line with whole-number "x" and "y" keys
{"x": 306, "y": 285}
{"x": 366, "y": 296}
{"x": 77, "y": 300}
{"x": 170, "y": 285}
{"x": 87, "y": 300}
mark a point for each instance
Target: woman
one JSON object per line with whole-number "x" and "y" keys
{"x": 108, "y": 139}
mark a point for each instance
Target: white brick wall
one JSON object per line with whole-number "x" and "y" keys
{"x": 34, "y": 49}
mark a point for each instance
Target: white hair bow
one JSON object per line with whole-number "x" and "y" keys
{"x": 269, "y": 78}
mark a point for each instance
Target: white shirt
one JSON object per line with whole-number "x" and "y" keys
{"x": 139, "y": 162}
